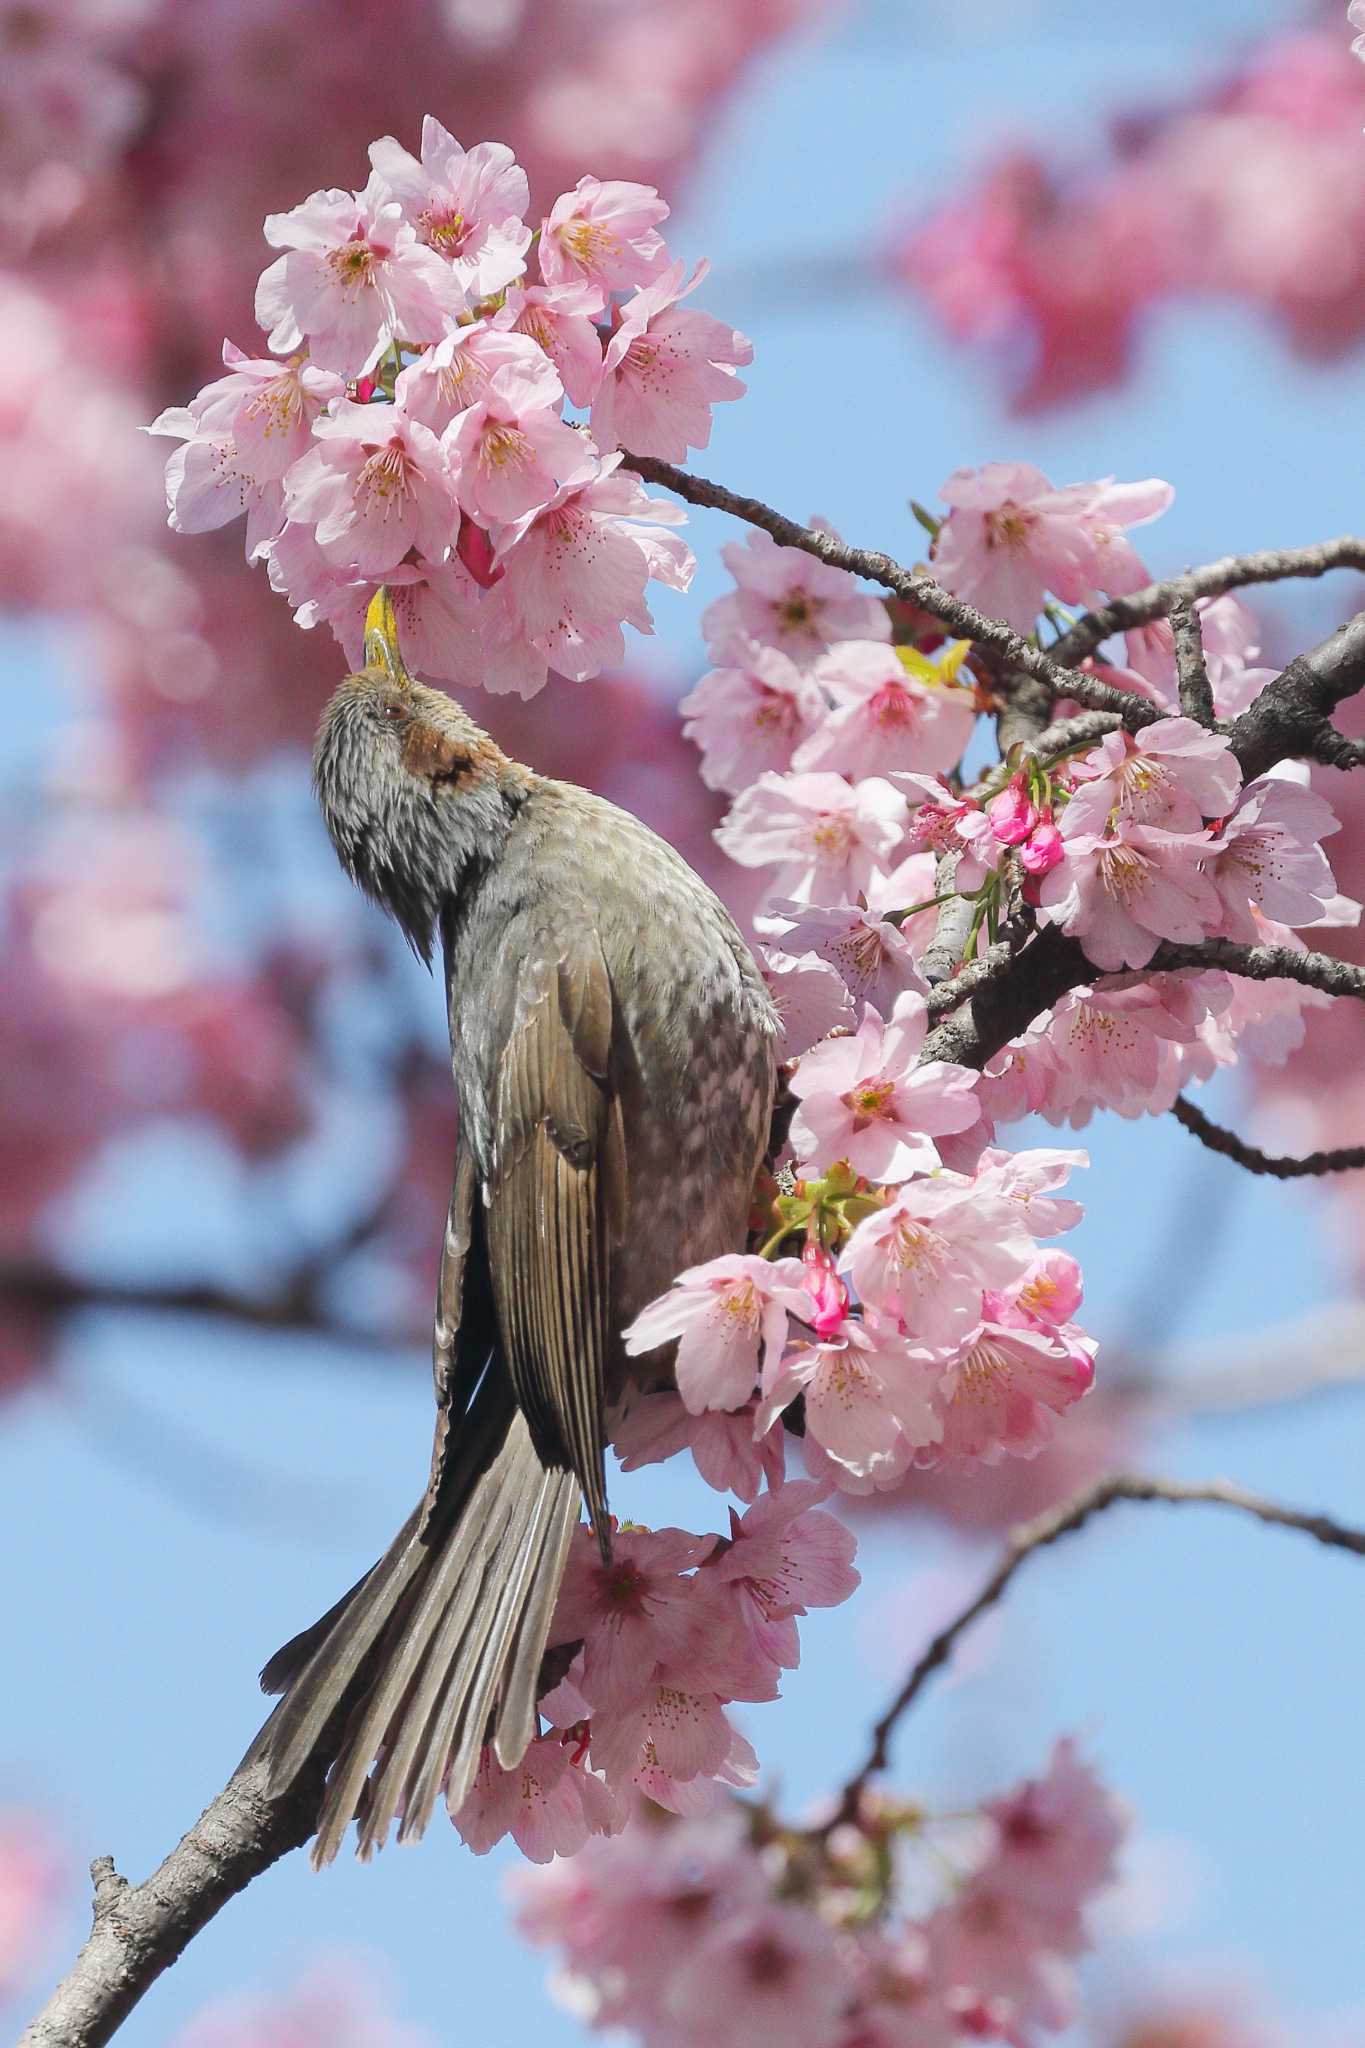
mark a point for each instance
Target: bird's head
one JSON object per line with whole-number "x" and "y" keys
{"x": 414, "y": 795}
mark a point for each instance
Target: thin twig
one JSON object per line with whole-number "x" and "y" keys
{"x": 1047, "y": 1528}
{"x": 1192, "y": 673}
{"x": 1264, "y": 963}
{"x": 1231, "y": 572}
{"x": 1344, "y": 1159}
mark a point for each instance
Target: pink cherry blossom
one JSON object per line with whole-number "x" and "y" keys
{"x": 727, "y": 1316}
{"x": 869, "y": 1403}
{"x": 663, "y": 1737}
{"x": 865, "y": 1099}
{"x": 632, "y": 1615}
{"x": 576, "y": 571}
{"x": 664, "y": 369}
{"x": 561, "y": 319}
{"x": 437, "y": 608}
{"x": 606, "y": 234}
{"x": 1116, "y": 569}
{"x": 209, "y": 484}
{"x": 749, "y": 716}
{"x": 1013, "y": 814}
{"x": 1011, "y": 536}
{"x": 1267, "y": 855}
{"x": 1044, "y": 848}
{"x": 871, "y": 955}
{"x": 926, "y": 1257}
{"x": 1173, "y": 774}
{"x": 511, "y": 449}
{"x": 810, "y": 999}
{"x": 548, "y": 1804}
{"x": 1049, "y": 1295}
{"x": 263, "y": 408}
{"x": 1030, "y": 1178}
{"x": 790, "y": 600}
{"x": 786, "y": 1556}
{"x": 353, "y": 279}
{"x": 1056, "y": 1843}
{"x": 770, "y": 1975}
{"x": 827, "y": 834}
{"x": 466, "y": 205}
{"x": 372, "y": 487}
{"x": 447, "y": 379}
{"x": 1002, "y": 1394}
{"x": 724, "y": 1447}
{"x": 893, "y": 708}
{"x": 1120, "y": 896}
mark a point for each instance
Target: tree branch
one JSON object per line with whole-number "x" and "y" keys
{"x": 966, "y": 621}
{"x": 1263, "y": 963}
{"x": 1048, "y": 1528}
{"x": 1344, "y": 1159}
{"x": 1196, "y": 691}
{"x": 140, "y": 1930}
{"x": 1231, "y": 572}
{"x": 1292, "y": 715}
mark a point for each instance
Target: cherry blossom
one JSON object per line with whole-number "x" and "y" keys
{"x": 548, "y": 1803}
{"x": 634, "y": 1614}
{"x": 871, "y": 955}
{"x": 561, "y": 319}
{"x": 893, "y": 708}
{"x": 727, "y": 1316}
{"x": 575, "y": 572}
{"x": 1267, "y": 855}
{"x": 664, "y": 369}
{"x": 445, "y": 380}
{"x": 865, "y": 1099}
{"x": 928, "y": 1254}
{"x": 727, "y": 1452}
{"x": 1172, "y": 774}
{"x": 374, "y": 486}
{"x": 604, "y": 234}
{"x": 1121, "y": 895}
{"x": 869, "y": 1403}
{"x": 354, "y": 278}
{"x": 810, "y": 998}
{"x": 750, "y": 715}
{"x": 512, "y": 448}
{"x": 466, "y": 205}
{"x": 828, "y": 835}
{"x": 1001, "y": 1394}
{"x": 1011, "y": 536}
{"x": 787, "y": 1555}
{"x": 791, "y": 600}
{"x": 771, "y": 1974}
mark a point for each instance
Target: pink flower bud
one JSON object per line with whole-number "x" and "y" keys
{"x": 475, "y": 550}
{"x": 1013, "y": 814}
{"x": 826, "y": 1290}
{"x": 1043, "y": 848}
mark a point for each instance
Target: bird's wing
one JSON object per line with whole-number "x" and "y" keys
{"x": 555, "y": 1194}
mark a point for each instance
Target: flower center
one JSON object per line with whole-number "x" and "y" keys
{"x": 352, "y": 265}
{"x": 280, "y": 403}
{"x": 588, "y": 242}
{"x": 892, "y": 706}
{"x": 504, "y": 447}
{"x": 872, "y": 1100}
{"x": 443, "y": 228}
{"x": 795, "y": 611}
{"x": 385, "y": 477}
{"x": 1010, "y": 526}
{"x": 1123, "y": 872}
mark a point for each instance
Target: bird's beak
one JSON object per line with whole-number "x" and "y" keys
{"x": 382, "y": 651}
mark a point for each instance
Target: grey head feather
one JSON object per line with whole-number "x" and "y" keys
{"x": 416, "y": 798}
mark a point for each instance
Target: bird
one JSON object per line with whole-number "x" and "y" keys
{"x": 613, "y": 1051}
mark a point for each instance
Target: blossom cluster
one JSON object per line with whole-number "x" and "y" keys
{"x": 410, "y": 425}
{"x": 729, "y": 1929}
{"x": 653, "y": 1645}
{"x": 1250, "y": 191}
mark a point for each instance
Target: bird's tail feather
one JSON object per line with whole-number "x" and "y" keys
{"x": 438, "y": 1648}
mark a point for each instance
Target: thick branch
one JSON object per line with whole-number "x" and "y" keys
{"x": 1049, "y": 1528}
{"x": 1292, "y": 715}
{"x": 140, "y": 1930}
{"x": 1343, "y": 1159}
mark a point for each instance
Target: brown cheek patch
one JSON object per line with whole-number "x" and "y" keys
{"x": 436, "y": 756}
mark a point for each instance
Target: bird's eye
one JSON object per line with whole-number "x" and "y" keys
{"x": 390, "y": 708}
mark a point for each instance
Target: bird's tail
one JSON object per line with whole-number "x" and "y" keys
{"x": 438, "y": 1648}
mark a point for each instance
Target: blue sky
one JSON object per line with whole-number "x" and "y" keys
{"x": 1215, "y": 1669}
